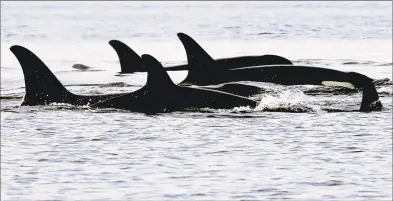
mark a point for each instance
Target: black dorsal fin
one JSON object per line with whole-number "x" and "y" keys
{"x": 158, "y": 78}
{"x": 41, "y": 85}
{"x": 130, "y": 61}
{"x": 200, "y": 64}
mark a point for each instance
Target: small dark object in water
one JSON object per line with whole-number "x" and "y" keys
{"x": 81, "y": 67}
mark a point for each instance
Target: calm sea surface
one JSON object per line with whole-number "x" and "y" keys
{"x": 74, "y": 153}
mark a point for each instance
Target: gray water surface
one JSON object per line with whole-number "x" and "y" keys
{"x": 77, "y": 153}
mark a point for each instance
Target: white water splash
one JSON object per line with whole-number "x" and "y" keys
{"x": 242, "y": 109}
{"x": 61, "y": 104}
{"x": 289, "y": 99}
{"x": 386, "y": 90}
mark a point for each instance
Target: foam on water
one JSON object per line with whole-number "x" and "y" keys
{"x": 291, "y": 100}
{"x": 385, "y": 90}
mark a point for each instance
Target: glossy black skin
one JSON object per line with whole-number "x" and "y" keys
{"x": 294, "y": 75}
{"x": 42, "y": 88}
{"x": 160, "y": 94}
{"x": 239, "y": 62}
{"x": 237, "y": 89}
{"x": 197, "y": 55}
{"x": 176, "y": 98}
{"x": 282, "y": 74}
{"x": 41, "y": 85}
{"x": 130, "y": 62}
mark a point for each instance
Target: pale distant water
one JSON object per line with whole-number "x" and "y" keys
{"x": 70, "y": 153}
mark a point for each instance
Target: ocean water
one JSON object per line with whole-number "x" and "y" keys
{"x": 76, "y": 153}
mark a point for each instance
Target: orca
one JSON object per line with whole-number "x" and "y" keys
{"x": 195, "y": 52}
{"x": 130, "y": 61}
{"x": 41, "y": 85}
{"x": 204, "y": 74}
{"x": 307, "y": 75}
{"x": 203, "y": 71}
{"x": 160, "y": 94}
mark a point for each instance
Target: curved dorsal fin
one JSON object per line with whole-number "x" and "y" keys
{"x": 158, "y": 78}
{"x": 41, "y": 85}
{"x": 200, "y": 64}
{"x": 193, "y": 49}
{"x": 130, "y": 61}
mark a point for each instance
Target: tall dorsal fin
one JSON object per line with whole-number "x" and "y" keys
{"x": 41, "y": 85}
{"x": 193, "y": 49}
{"x": 130, "y": 61}
{"x": 200, "y": 64}
{"x": 158, "y": 78}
